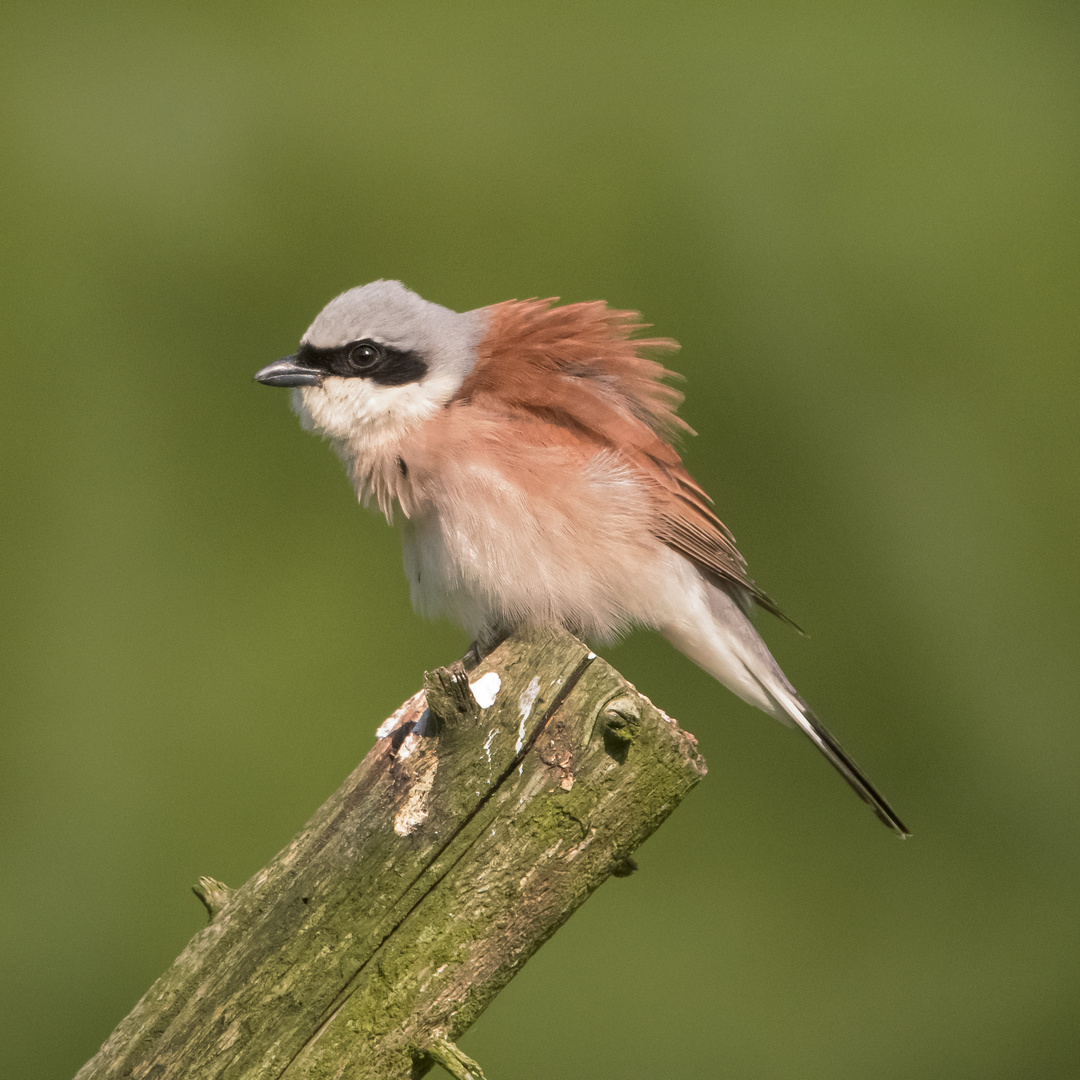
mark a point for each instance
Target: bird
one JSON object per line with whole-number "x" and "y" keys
{"x": 530, "y": 448}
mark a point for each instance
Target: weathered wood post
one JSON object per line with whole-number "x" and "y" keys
{"x": 492, "y": 805}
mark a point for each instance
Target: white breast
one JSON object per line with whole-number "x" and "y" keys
{"x": 488, "y": 552}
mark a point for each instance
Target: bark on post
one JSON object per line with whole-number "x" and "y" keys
{"x": 492, "y": 805}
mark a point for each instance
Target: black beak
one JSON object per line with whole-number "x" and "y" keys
{"x": 287, "y": 372}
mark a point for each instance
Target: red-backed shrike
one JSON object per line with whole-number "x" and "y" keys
{"x": 529, "y": 449}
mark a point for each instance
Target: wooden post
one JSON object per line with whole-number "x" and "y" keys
{"x": 492, "y": 805}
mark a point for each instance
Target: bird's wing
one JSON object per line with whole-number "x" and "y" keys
{"x": 686, "y": 522}
{"x": 577, "y": 368}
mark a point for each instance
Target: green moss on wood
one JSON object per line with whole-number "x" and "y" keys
{"x": 424, "y": 883}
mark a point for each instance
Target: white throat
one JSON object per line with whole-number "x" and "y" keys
{"x": 364, "y": 417}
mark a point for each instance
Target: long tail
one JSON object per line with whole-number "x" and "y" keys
{"x": 841, "y": 761}
{"x": 721, "y": 639}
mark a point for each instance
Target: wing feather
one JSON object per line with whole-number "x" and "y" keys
{"x": 578, "y": 367}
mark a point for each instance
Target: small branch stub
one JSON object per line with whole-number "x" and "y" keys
{"x": 460, "y": 1066}
{"x": 213, "y": 894}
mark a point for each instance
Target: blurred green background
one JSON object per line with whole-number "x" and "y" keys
{"x": 860, "y": 220}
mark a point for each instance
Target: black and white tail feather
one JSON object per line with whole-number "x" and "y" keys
{"x": 794, "y": 707}
{"x": 732, "y": 651}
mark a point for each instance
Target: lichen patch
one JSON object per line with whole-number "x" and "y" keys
{"x": 485, "y": 689}
{"x": 414, "y": 812}
{"x": 526, "y": 700}
{"x": 408, "y": 745}
{"x": 416, "y": 703}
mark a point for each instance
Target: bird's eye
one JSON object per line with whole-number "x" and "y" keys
{"x": 363, "y": 356}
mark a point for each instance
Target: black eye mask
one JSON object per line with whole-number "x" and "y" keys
{"x": 365, "y": 359}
